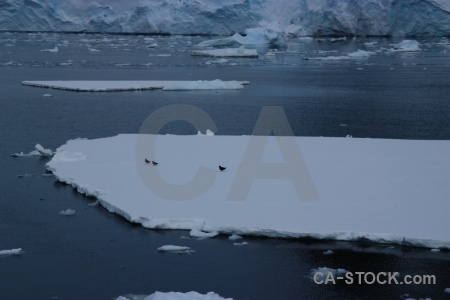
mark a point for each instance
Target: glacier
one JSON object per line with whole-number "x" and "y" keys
{"x": 214, "y": 17}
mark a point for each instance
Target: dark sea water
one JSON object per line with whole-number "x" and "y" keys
{"x": 98, "y": 255}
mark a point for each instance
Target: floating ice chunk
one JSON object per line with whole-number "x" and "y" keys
{"x": 54, "y": 50}
{"x": 67, "y": 212}
{"x": 176, "y": 249}
{"x": 217, "y": 61}
{"x": 435, "y": 250}
{"x": 25, "y": 175}
{"x": 42, "y": 151}
{"x": 253, "y": 36}
{"x": 447, "y": 290}
{"x": 234, "y": 237}
{"x": 110, "y": 86}
{"x": 93, "y": 204}
{"x": 328, "y": 252}
{"x": 321, "y": 273}
{"x": 173, "y": 248}
{"x": 360, "y": 54}
{"x": 47, "y": 95}
{"x": 354, "y": 55}
{"x": 154, "y": 45}
{"x": 203, "y": 85}
{"x": 202, "y": 234}
{"x": 227, "y": 52}
{"x": 175, "y": 296}
{"x": 370, "y": 44}
{"x": 240, "y": 244}
{"x": 406, "y": 46}
{"x": 94, "y": 50}
{"x": 17, "y": 251}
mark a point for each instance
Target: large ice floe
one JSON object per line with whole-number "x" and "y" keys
{"x": 175, "y": 296}
{"x": 387, "y": 191}
{"x": 124, "y": 85}
{"x": 215, "y": 17}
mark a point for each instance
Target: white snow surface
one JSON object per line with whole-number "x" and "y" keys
{"x": 387, "y": 191}
{"x": 124, "y": 85}
{"x": 16, "y": 251}
{"x": 176, "y": 296}
{"x": 304, "y": 17}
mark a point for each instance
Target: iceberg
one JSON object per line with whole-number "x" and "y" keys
{"x": 406, "y": 46}
{"x": 386, "y": 191}
{"x": 124, "y": 85}
{"x": 214, "y": 17}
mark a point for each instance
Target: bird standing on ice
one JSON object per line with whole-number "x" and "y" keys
{"x": 147, "y": 161}
{"x": 222, "y": 168}
{"x": 154, "y": 163}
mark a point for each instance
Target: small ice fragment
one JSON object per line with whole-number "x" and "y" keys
{"x": 240, "y": 244}
{"x": 447, "y": 290}
{"x": 54, "y": 50}
{"x": 435, "y": 250}
{"x": 25, "y": 175}
{"x": 16, "y": 251}
{"x": 47, "y": 95}
{"x": 328, "y": 252}
{"x": 234, "y": 237}
{"x": 176, "y": 249}
{"x": 42, "y": 151}
{"x": 202, "y": 234}
{"x": 93, "y": 204}
{"x": 67, "y": 212}
{"x": 47, "y": 174}
{"x": 183, "y": 237}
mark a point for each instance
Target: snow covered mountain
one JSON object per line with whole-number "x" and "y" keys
{"x": 304, "y": 17}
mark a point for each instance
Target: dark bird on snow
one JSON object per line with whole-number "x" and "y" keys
{"x": 221, "y": 168}
{"x": 154, "y": 163}
{"x": 147, "y": 161}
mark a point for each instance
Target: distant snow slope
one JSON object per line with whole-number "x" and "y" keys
{"x": 308, "y": 17}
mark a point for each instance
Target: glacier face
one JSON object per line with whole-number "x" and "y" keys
{"x": 311, "y": 17}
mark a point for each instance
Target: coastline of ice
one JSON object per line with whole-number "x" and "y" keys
{"x": 355, "y": 192}
{"x": 124, "y": 85}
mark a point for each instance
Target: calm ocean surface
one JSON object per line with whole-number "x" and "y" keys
{"x": 98, "y": 255}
